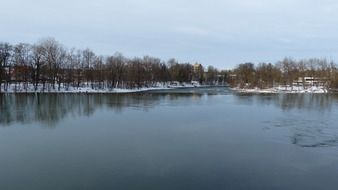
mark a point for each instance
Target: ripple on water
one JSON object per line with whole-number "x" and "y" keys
{"x": 307, "y": 132}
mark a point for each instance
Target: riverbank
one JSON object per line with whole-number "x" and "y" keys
{"x": 29, "y": 89}
{"x": 284, "y": 89}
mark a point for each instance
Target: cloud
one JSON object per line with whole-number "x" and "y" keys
{"x": 220, "y": 32}
{"x": 193, "y": 31}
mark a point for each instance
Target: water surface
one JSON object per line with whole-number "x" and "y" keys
{"x": 207, "y": 138}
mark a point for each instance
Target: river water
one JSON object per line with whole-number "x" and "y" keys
{"x": 210, "y": 138}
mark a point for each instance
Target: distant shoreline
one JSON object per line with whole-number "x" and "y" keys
{"x": 88, "y": 90}
{"x": 285, "y": 90}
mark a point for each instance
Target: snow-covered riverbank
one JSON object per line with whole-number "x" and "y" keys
{"x": 88, "y": 89}
{"x": 284, "y": 89}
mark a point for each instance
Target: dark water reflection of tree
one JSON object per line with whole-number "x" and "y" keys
{"x": 310, "y": 102}
{"x": 49, "y": 109}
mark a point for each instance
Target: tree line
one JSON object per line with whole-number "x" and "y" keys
{"x": 47, "y": 65}
{"x": 288, "y": 72}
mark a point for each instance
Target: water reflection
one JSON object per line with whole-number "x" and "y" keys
{"x": 309, "y": 129}
{"x": 50, "y": 109}
{"x": 310, "y": 102}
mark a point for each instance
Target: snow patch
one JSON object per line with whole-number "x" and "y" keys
{"x": 29, "y": 88}
{"x": 285, "y": 89}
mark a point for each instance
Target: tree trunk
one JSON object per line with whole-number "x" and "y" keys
{"x": 0, "y": 78}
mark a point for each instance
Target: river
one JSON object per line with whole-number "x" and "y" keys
{"x": 202, "y": 138}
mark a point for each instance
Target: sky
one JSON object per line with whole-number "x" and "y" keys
{"x": 222, "y": 33}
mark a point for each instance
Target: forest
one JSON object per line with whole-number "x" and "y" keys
{"x": 287, "y": 72}
{"x": 48, "y": 65}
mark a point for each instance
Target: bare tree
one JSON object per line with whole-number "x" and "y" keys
{"x": 88, "y": 59}
{"x": 115, "y": 66}
{"x": 37, "y": 54}
{"x": 22, "y": 62}
{"x": 53, "y": 56}
{"x": 245, "y": 74}
{"x": 5, "y": 55}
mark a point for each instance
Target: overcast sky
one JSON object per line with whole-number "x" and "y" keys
{"x": 223, "y": 33}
